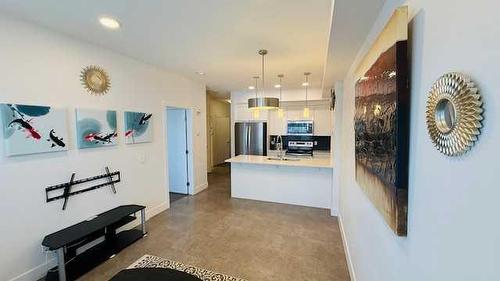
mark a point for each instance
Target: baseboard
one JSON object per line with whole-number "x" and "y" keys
{"x": 334, "y": 212}
{"x": 153, "y": 211}
{"x": 37, "y": 272}
{"x": 350, "y": 264}
{"x": 40, "y": 271}
{"x": 200, "y": 188}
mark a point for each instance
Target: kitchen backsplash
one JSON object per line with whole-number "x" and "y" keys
{"x": 320, "y": 142}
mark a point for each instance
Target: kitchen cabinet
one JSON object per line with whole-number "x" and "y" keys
{"x": 297, "y": 113}
{"x": 319, "y": 113}
{"x": 242, "y": 113}
{"x": 323, "y": 125}
{"x": 276, "y": 125}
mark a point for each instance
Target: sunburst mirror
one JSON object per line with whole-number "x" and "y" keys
{"x": 454, "y": 114}
{"x": 95, "y": 80}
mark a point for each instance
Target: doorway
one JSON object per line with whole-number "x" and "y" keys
{"x": 179, "y": 152}
{"x": 222, "y": 140}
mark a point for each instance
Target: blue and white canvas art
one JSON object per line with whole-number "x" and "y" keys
{"x": 138, "y": 127}
{"x": 30, "y": 129}
{"x": 96, "y": 128}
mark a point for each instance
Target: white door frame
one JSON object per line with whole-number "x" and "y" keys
{"x": 190, "y": 145}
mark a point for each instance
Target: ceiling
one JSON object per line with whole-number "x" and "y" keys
{"x": 352, "y": 21}
{"x": 219, "y": 37}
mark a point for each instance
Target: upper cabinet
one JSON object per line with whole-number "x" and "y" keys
{"x": 323, "y": 123}
{"x": 242, "y": 113}
{"x": 318, "y": 112}
{"x": 297, "y": 113}
{"x": 277, "y": 125}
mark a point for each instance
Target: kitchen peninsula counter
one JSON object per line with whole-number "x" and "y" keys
{"x": 264, "y": 160}
{"x": 306, "y": 182}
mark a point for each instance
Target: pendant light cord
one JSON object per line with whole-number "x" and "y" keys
{"x": 281, "y": 86}
{"x": 256, "y": 85}
{"x": 263, "y": 84}
{"x": 307, "y": 86}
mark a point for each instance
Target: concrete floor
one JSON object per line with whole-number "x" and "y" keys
{"x": 247, "y": 239}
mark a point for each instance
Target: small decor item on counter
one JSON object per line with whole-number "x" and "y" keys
{"x": 95, "y": 80}
{"x": 29, "y": 129}
{"x": 381, "y": 123}
{"x": 95, "y": 128}
{"x": 454, "y": 114}
{"x": 138, "y": 127}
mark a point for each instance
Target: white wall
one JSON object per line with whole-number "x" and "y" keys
{"x": 41, "y": 67}
{"x": 453, "y": 229}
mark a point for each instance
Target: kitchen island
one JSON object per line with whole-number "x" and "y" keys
{"x": 305, "y": 182}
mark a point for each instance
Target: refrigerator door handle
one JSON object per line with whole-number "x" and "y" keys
{"x": 249, "y": 140}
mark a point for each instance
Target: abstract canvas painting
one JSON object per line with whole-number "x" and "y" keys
{"x": 96, "y": 128}
{"x": 138, "y": 127}
{"x": 381, "y": 124}
{"x": 29, "y": 129}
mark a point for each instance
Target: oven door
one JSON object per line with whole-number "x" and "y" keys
{"x": 300, "y": 128}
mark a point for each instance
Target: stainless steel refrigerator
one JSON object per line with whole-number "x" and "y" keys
{"x": 250, "y": 138}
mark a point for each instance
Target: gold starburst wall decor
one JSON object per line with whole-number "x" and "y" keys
{"x": 454, "y": 114}
{"x": 95, "y": 80}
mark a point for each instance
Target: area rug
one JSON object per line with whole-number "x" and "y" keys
{"x": 203, "y": 274}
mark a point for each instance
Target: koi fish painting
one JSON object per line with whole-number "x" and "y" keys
{"x": 30, "y": 129}
{"x": 96, "y": 128}
{"x": 138, "y": 127}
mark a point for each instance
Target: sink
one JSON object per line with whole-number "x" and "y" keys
{"x": 283, "y": 159}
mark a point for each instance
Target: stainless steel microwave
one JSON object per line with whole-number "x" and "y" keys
{"x": 300, "y": 128}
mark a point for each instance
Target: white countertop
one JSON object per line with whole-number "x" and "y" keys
{"x": 262, "y": 160}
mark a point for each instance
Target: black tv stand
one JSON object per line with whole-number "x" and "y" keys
{"x": 65, "y": 242}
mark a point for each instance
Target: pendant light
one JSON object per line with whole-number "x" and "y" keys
{"x": 263, "y": 102}
{"x": 306, "y": 85}
{"x": 281, "y": 113}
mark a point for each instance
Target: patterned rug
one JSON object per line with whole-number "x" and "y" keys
{"x": 203, "y": 274}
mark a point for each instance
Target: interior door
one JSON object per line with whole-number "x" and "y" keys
{"x": 222, "y": 141}
{"x": 177, "y": 150}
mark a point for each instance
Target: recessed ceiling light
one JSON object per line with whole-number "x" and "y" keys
{"x": 200, "y": 73}
{"x": 305, "y": 84}
{"x": 251, "y": 87}
{"x": 109, "y": 22}
{"x": 277, "y": 86}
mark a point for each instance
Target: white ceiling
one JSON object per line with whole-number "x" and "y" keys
{"x": 219, "y": 37}
{"x": 351, "y": 23}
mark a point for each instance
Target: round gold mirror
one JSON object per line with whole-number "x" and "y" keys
{"x": 454, "y": 114}
{"x": 95, "y": 80}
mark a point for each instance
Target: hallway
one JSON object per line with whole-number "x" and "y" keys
{"x": 247, "y": 239}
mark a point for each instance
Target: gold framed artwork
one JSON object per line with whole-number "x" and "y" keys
{"x": 381, "y": 123}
